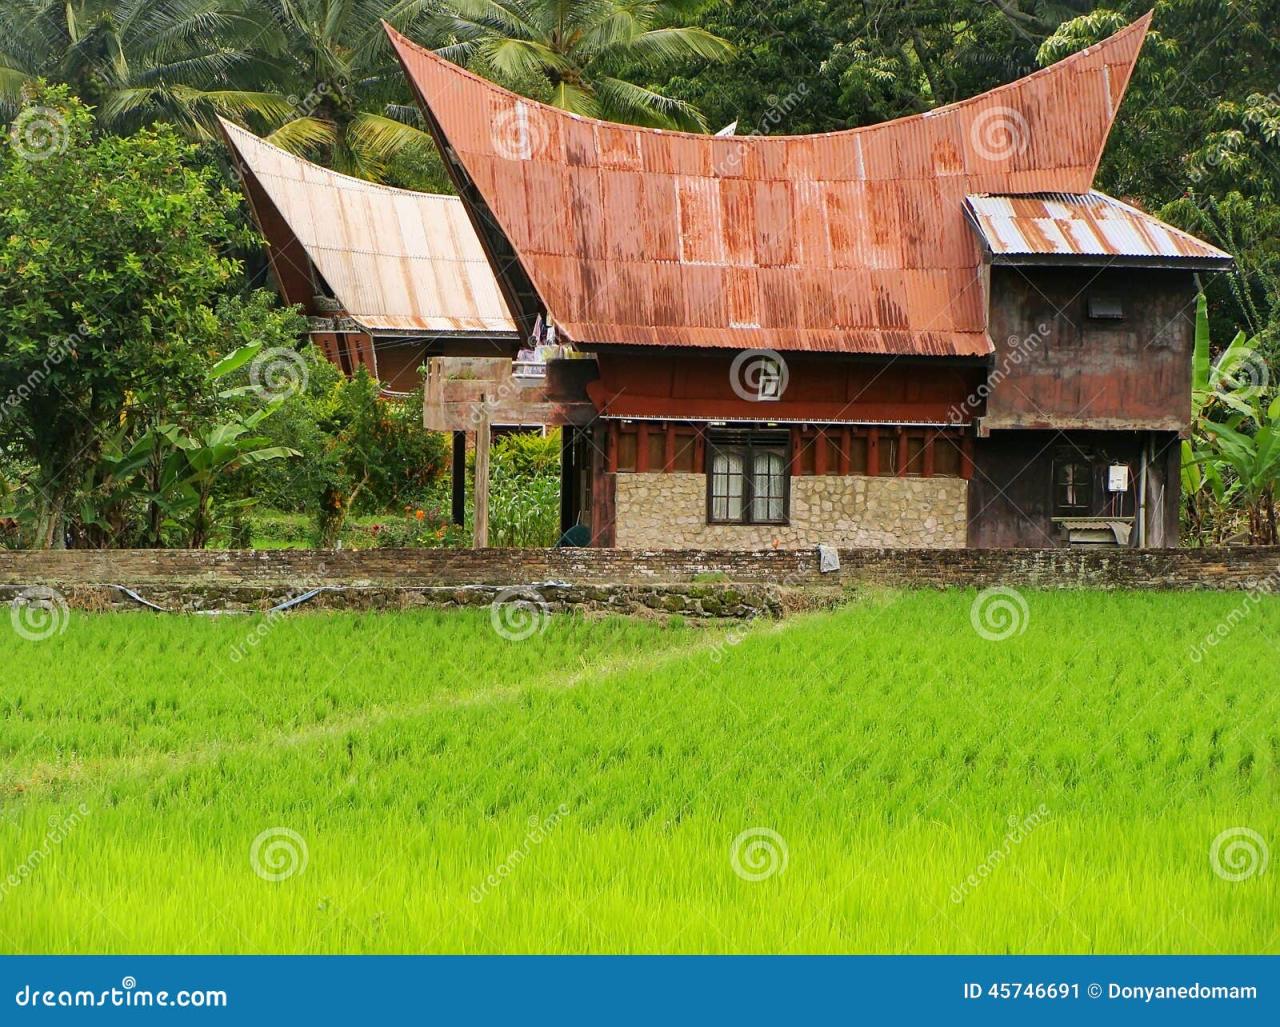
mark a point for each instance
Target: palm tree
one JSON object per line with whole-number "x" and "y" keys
{"x": 342, "y": 92}
{"x": 139, "y": 61}
{"x": 575, "y": 54}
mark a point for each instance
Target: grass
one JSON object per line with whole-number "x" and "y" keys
{"x": 582, "y": 790}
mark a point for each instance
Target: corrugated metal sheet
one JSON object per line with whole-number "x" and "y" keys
{"x": 398, "y": 261}
{"x": 1090, "y": 225}
{"x": 852, "y": 241}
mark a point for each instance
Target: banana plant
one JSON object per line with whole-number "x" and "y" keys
{"x": 200, "y": 460}
{"x": 1217, "y": 397}
{"x": 1254, "y": 460}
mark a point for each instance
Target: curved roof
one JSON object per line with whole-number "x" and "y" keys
{"x": 398, "y": 261}
{"x": 852, "y": 241}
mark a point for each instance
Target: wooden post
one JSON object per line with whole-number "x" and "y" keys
{"x": 481, "y": 537}
{"x": 568, "y": 479}
{"x": 459, "y": 477}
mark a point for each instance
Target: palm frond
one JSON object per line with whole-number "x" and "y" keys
{"x": 664, "y": 46}
{"x": 624, "y": 101}
{"x": 303, "y": 135}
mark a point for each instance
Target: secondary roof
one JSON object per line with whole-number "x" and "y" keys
{"x": 1055, "y": 228}
{"x": 400, "y": 262}
{"x": 852, "y": 241}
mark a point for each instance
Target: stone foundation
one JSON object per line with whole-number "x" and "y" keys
{"x": 669, "y": 511}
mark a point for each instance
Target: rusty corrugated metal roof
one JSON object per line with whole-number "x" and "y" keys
{"x": 399, "y": 261}
{"x": 1092, "y": 226}
{"x": 852, "y": 241}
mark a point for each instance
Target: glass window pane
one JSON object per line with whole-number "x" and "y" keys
{"x": 768, "y": 483}
{"x": 726, "y": 486}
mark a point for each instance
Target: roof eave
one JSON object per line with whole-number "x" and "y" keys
{"x": 1105, "y": 260}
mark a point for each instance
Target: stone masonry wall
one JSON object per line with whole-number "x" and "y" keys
{"x": 284, "y": 569}
{"x": 671, "y": 510}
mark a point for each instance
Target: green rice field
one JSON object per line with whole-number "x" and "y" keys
{"x": 880, "y": 778}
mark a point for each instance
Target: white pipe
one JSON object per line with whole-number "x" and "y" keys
{"x": 1142, "y": 495}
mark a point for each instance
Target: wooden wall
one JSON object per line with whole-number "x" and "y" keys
{"x": 1083, "y": 372}
{"x": 1011, "y": 491}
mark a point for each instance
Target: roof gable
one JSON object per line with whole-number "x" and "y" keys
{"x": 852, "y": 241}
{"x": 399, "y": 261}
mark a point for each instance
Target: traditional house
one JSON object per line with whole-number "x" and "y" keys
{"x": 929, "y": 332}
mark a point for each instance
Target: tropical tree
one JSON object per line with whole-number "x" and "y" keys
{"x": 580, "y": 54}
{"x": 339, "y": 94}
{"x": 111, "y": 271}
{"x": 1252, "y": 452}
{"x": 140, "y": 61}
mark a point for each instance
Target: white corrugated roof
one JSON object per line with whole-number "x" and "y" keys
{"x": 396, "y": 260}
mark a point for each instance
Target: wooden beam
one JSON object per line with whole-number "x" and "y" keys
{"x": 797, "y": 440}
{"x": 480, "y": 539}
{"x": 820, "y": 452}
{"x": 642, "y": 447}
{"x": 873, "y": 451}
{"x": 846, "y": 450}
{"x": 669, "y": 449}
{"x": 902, "y": 453}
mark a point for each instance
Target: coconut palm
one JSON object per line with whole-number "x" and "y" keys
{"x": 138, "y": 61}
{"x": 343, "y": 94}
{"x": 576, "y": 54}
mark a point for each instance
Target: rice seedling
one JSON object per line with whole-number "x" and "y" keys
{"x": 881, "y": 778}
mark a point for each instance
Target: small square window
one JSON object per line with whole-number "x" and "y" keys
{"x": 748, "y": 478}
{"x": 1106, "y": 308}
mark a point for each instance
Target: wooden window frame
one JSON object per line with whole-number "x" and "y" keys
{"x": 1089, "y": 484}
{"x": 747, "y": 443}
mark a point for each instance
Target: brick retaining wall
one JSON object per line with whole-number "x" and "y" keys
{"x": 1233, "y": 568}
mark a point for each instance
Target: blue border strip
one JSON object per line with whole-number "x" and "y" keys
{"x": 640, "y": 990}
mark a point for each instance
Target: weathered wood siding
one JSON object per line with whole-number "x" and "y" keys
{"x": 1011, "y": 492}
{"x": 1056, "y": 367}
